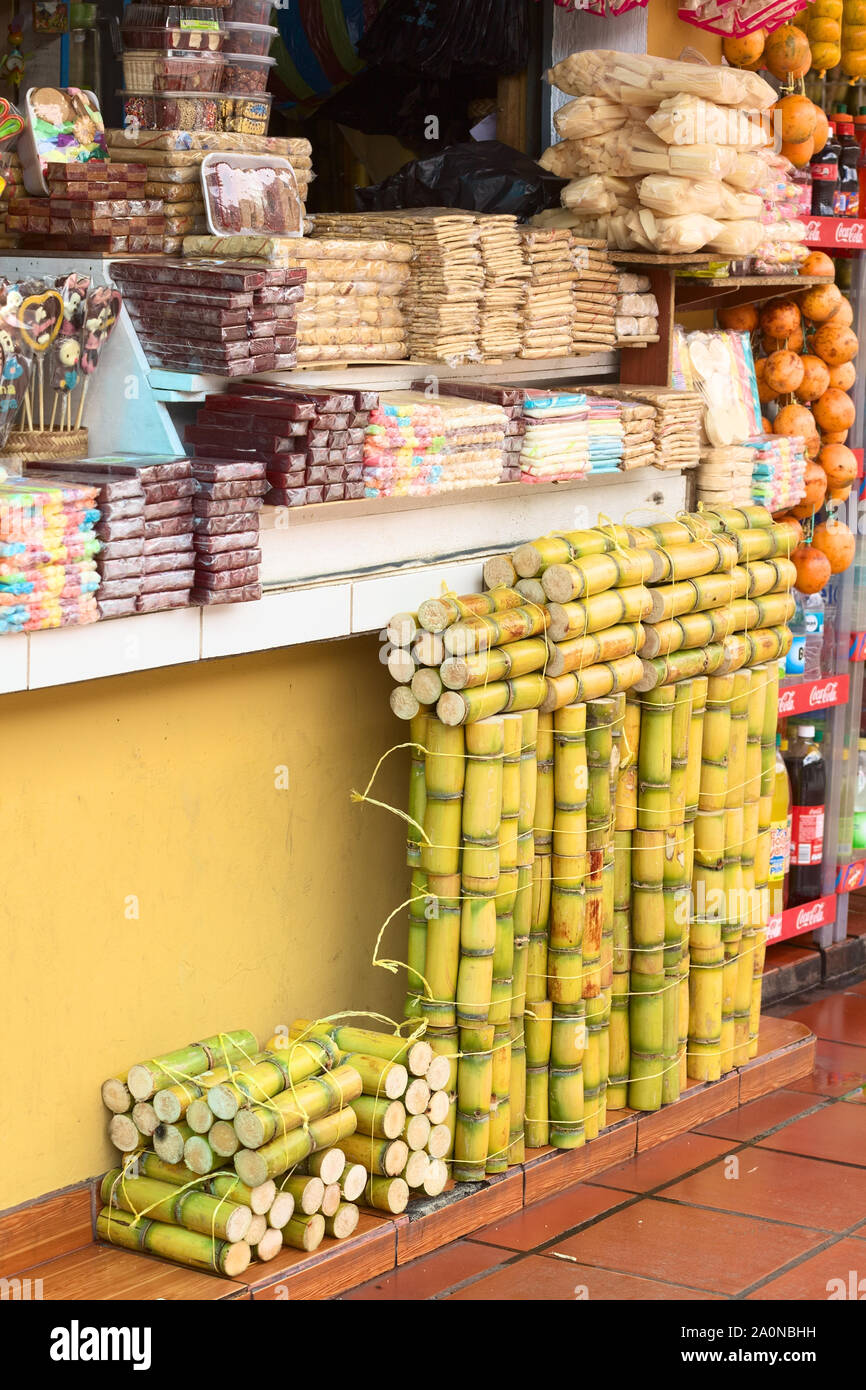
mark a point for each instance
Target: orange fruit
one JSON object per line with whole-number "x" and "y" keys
{"x": 818, "y": 263}
{"x": 835, "y": 541}
{"x": 783, "y": 372}
{"x": 834, "y": 410}
{"x": 835, "y": 344}
{"x": 815, "y": 379}
{"x": 839, "y": 463}
{"x": 813, "y": 569}
{"x": 787, "y": 51}
{"x": 843, "y": 376}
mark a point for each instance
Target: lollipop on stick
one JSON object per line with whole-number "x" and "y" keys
{"x": 15, "y": 377}
{"x": 103, "y": 310}
{"x": 40, "y": 315}
{"x": 73, "y": 291}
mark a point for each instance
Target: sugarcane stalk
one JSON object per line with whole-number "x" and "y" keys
{"x": 482, "y": 806}
{"x": 444, "y": 772}
{"x": 599, "y": 612}
{"x": 276, "y": 1073}
{"x": 417, "y": 789}
{"x": 467, "y": 706}
{"x": 437, "y": 614}
{"x": 626, "y": 639}
{"x": 592, "y": 683}
{"x": 478, "y": 634}
{"x": 474, "y": 1091}
{"x": 379, "y": 1118}
{"x": 256, "y": 1125}
{"x": 305, "y": 1232}
{"x": 442, "y": 954}
{"x": 255, "y": 1166}
{"x": 498, "y": 664}
{"x": 387, "y": 1194}
{"x": 222, "y": 1049}
{"x": 583, "y": 578}
{"x": 517, "y": 1093}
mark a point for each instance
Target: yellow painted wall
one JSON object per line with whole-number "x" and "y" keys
{"x": 667, "y": 35}
{"x": 255, "y": 904}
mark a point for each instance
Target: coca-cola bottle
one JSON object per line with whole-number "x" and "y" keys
{"x": 824, "y": 168}
{"x": 807, "y": 771}
{"x": 848, "y": 191}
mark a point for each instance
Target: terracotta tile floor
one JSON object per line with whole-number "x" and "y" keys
{"x": 765, "y": 1202}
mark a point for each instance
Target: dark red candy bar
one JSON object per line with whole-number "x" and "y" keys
{"x": 120, "y": 530}
{"x": 243, "y": 488}
{"x": 120, "y": 588}
{"x": 148, "y": 468}
{"x": 208, "y": 452}
{"x": 226, "y": 470}
{"x": 277, "y": 294}
{"x": 167, "y": 579}
{"x": 289, "y": 461}
{"x": 226, "y": 579}
{"x": 227, "y": 560}
{"x": 111, "y": 490}
{"x": 154, "y": 603}
{"x": 121, "y": 569}
{"x": 261, "y": 399}
{"x": 150, "y": 325}
{"x": 189, "y": 299}
{"x": 335, "y": 473}
{"x": 287, "y": 480}
{"x": 354, "y": 453}
{"x": 354, "y": 472}
{"x": 240, "y": 542}
{"x": 354, "y": 490}
{"x": 115, "y": 607}
{"x": 334, "y": 492}
{"x": 294, "y": 497}
{"x": 157, "y": 510}
{"x": 333, "y": 420}
{"x": 169, "y": 544}
{"x": 247, "y": 594}
{"x": 338, "y": 439}
{"x": 168, "y": 562}
{"x": 202, "y": 364}
{"x": 121, "y": 511}
{"x": 121, "y": 550}
{"x": 243, "y": 420}
{"x": 192, "y": 274}
{"x": 167, "y": 526}
{"x": 204, "y": 507}
{"x": 168, "y": 492}
{"x": 229, "y": 524}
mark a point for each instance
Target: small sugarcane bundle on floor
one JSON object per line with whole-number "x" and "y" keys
{"x": 273, "y": 1075}
{"x": 257, "y": 1125}
{"x": 145, "y": 1078}
{"x": 194, "y": 1210}
{"x": 191, "y": 1248}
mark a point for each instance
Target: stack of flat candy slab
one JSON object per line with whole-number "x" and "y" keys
{"x": 556, "y": 443}
{"x": 220, "y": 318}
{"x": 310, "y": 444}
{"x": 592, "y": 328}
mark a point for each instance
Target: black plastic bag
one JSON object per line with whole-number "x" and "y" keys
{"x": 480, "y": 176}
{"x": 445, "y": 36}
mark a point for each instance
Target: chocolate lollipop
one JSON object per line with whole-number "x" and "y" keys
{"x": 41, "y": 314}
{"x": 17, "y": 361}
{"x": 103, "y": 310}
{"x": 66, "y": 350}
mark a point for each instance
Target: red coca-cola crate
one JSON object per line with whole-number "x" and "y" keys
{"x": 811, "y": 696}
{"x": 836, "y": 233}
{"x": 795, "y": 921}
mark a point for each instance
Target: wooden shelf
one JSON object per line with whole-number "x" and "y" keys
{"x": 654, "y": 259}
{"x": 74, "y": 1267}
{"x": 729, "y": 282}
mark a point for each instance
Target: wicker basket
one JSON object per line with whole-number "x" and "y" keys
{"x": 139, "y": 68}
{"x": 44, "y": 445}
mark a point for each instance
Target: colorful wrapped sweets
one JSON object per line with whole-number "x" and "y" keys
{"x": 778, "y": 472}
{"x": 419, "y": 445}
{"x": 556, "y": 443}
{"x": 606, "y": 434}
{"x": 48, "y": 548}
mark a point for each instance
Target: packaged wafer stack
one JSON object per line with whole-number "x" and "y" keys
{"x": 90, "y": 207}
{"x": 593, "y": 327}
{"x": 418, "y": 445}
{"x": 637, "y": 308}
{"x": 48, "y": 546}
{"x": 228, "y": 320}
{"x": 606, "y": 434}
{"x": 505, "y": 275}
{"x": 724, "y": 476}
{"x": 354, "y": 298}
{"x": 638, "y": 444}
{"x": 556, "y": 443}
{"x": 676, "y": 424}
{"x": 548, "y": 305}
{"x": 511, "y": 399}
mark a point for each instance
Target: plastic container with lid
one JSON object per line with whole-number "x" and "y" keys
{"x": 250, "y": 11}
{"x": 172, "y": 70}
{"x": 170, "y": 110}
{"x": 249, "y": 193}
{"x": 198, "y": 27}
{"x": 254, "y": 39}
{"x": 245, "y": 73}
{"x": 241, "y": 114}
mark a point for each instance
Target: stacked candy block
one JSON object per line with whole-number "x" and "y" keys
{"x": 556, "y": 443}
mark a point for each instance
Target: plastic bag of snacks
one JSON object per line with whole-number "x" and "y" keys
{"x": 678, "y": 235}
{"x": 650, "y": 155}
{"x": 672, "y": 196}
{"x": 723, "y": 370}
{"x": 591, "y": 196}
{"x": 688, "y": 120}
{"x": 641, "y": 80}
{"x": 587, "y": 116}
{"x": 736, "y": 238}
{"x": 601, "y": 154}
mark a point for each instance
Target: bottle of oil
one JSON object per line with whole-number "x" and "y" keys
{"x": 808, "y": 774}
{"x": 780, "y": 835}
